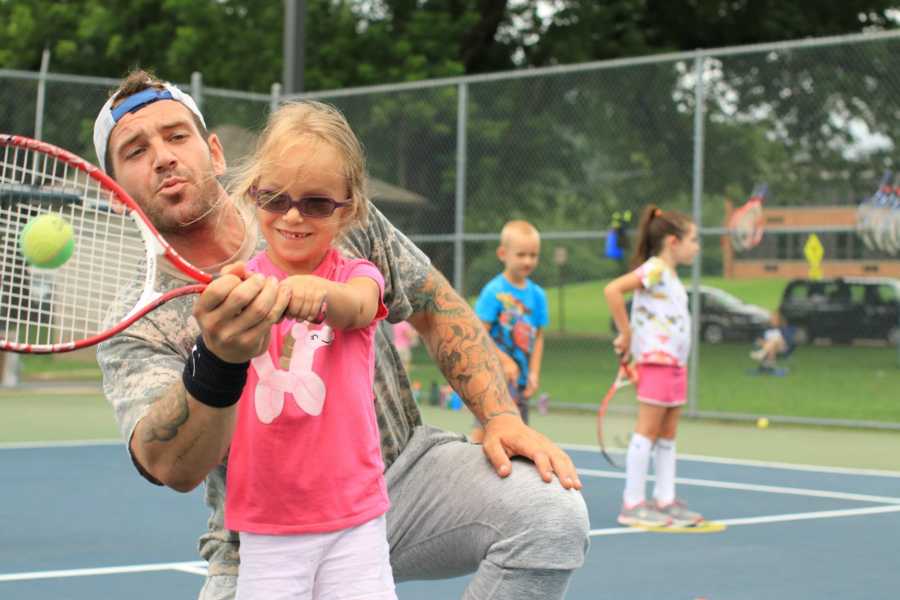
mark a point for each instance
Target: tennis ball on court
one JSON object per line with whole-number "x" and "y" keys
{"x": 762, "y": 422}
{"x": 46, "y": 241}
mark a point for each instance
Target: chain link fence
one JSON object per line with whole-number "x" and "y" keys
{"x": 566, "y": 147}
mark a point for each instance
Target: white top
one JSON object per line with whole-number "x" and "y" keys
{"x": 660, "y": 318}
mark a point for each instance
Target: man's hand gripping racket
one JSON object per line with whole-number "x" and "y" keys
{"x": 625, "y": 376}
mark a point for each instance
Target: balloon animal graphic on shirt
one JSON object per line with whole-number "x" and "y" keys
{"x": 295, "y": 376}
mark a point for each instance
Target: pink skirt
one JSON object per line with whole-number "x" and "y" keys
{"x": 663, "y": 385}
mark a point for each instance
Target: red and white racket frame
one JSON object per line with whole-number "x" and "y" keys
{"x": 626, "y": 375}
{"x": 156, "y": 246}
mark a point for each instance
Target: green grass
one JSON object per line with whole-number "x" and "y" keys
{"x": 73, "y": 413}
{"x": 838, "y": 382}
{"x": 740, "y": 440}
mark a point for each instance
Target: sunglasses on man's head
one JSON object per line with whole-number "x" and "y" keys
{"x": 315, "y": 207}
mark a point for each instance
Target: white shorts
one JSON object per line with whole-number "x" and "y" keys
{"x": 351, "y": 564}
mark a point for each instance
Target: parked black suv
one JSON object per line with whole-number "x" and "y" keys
{"x": 724, "y": 317}
{"x": 843, "y": 309}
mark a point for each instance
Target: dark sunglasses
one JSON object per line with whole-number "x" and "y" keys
{"x": 314, "y": 207}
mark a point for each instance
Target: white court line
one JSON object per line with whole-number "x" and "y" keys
{"x": 746, "y": 462}
{"x": 583, "y": 447}
{"x": 199, "y": 569}
{"x": 179, "y": 566}
{"x": 753, "y": 487}
{"x": 823, "y": 514}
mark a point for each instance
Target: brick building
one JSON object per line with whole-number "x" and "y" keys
{"x": 781, "y": 254}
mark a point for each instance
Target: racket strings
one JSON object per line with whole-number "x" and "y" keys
{"x": 746, "y": 226}
{"x": 46, "y": 307}
{"x": 878, "y": 217}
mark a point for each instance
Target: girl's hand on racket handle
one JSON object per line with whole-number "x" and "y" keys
{"x": 308, "y": 297}
{"x": 622, "y": 344}
{"x": 236, "y": 312}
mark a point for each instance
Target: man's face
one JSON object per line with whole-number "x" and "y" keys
{"x": 160, "y": 158}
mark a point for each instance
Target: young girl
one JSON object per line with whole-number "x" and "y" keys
{"x": 305, "y": 488}
{"x": 658, "y": 336}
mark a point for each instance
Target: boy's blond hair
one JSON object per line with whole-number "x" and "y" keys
{"x": 324, "y": 123}
{"x": 517, "y": 229}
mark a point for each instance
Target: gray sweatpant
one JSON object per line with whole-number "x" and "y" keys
{"x": 452, "y": 515}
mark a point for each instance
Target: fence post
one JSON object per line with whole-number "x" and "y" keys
{"x": 461, "y": 157}
{"x": 276, "y": 97}
{"x": 699, "y": 109}
{"x": 41, "y": 94}
{"x": 197, "y": 89}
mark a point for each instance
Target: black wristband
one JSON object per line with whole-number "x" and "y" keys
{"x": 211, "y": 380}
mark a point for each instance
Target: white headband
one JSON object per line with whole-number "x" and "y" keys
{"x": 109, "y": 116}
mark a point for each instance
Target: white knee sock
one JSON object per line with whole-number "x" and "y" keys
{"x": 664, "y": 468}
{"x": 636, "y": 464}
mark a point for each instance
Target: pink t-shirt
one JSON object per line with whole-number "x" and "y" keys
{"x": 306, "y": 454}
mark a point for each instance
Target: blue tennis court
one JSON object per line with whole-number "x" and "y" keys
{"x": 77, "y": 523}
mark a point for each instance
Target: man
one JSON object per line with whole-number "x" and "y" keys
{"x": 171, "y": 377}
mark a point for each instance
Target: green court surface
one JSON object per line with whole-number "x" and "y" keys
{"x": 42, "y": 413}
{"x": 77, "y": 411}
{"x": 780, "y": 443}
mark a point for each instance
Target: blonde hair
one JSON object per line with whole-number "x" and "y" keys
{"x": 324, "y": 123}
{"x": 514, "y": 229}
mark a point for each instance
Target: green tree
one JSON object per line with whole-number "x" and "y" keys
{"x": 563, "y": 150}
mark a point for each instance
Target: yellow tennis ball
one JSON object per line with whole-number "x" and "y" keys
{"x": 46, "y": 241}
{"x": 762, "y": 422}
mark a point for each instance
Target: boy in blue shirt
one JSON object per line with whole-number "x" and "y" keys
{"x": 514, "y": 310}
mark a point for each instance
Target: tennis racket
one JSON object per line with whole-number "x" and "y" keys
{"x": 625, "y": 376}
{"x": 115, "y": 248}
{"x": 880, "y": 224}
{"x": 891, "y": 233}
{"x": 868, "y": 212}
{"x": 747, "y": 223}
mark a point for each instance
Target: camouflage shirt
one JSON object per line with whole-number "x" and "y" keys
{"x": 139, "y": 364}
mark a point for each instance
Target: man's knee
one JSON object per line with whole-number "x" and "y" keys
{"x": 547, "y": 528}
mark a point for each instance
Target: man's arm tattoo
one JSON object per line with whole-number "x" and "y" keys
{"x": 462, "y": 349}
{"x": 166, "y": 416}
